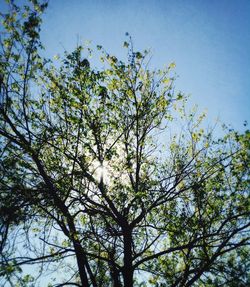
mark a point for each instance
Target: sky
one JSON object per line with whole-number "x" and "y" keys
{"x": 208, "y": 40}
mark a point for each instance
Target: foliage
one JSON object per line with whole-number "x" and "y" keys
{"x": 95, "y": 182}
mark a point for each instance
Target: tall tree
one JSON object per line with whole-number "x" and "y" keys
{"x": 99, "y": 178}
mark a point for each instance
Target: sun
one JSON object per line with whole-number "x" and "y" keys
{"x": 101, "y": 172}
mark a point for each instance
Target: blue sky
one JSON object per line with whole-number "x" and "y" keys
{"x": 208, "y": 39}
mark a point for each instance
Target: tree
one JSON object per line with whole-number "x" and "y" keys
{"x": 94, "y": 182}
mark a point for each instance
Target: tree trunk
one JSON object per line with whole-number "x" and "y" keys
{"x": 81, "y": 265}
{"x": 128, "y": 266}
{"x": 116, "y": 281}
{"x": 114, "y": 273}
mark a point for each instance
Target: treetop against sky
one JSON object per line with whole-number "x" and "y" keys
{"x": 208, "y": 40}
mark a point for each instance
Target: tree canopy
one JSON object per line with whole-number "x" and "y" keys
{"x": 105, "y": 178}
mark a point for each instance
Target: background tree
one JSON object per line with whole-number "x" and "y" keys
{"x": 95, "y": 181}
